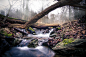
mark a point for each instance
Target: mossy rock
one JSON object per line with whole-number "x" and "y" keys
{"x": 64, "y": 43}
{"x": 78, "y": 47}
{"x": 5, "y": 33}
{"x": 16, "y": 41}
{"x": 8, "y": 35}
{"x": 69, "y": 43}
{"x": 30, "y": 28}
{"x": 33, "y": 43}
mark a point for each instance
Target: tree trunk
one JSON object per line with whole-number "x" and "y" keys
{"x": 5, "y": 17}
{"x": 7, "y": 14}
{"x": 47, "y": 10}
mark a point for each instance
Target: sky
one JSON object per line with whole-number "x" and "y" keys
{"x": 38, "y": 4}
{"x": 33, "y": 5}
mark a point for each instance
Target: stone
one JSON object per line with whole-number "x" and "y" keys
{"x": 79, "y": 45}
{"x": 33, "y": 43}
{"x": 16, "y": 41}
{"x": 53, "y": 35}
{"x": 18, "y": 34}
{"x": 57, "y": 37}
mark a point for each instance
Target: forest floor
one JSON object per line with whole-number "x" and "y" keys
{"x": 70, "y": 30}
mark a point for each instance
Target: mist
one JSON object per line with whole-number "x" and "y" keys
{"x": 26, "y": 9}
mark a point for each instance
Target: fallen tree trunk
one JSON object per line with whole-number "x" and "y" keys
{"x": 47, "y": 10}
{"x": 13, "y": 21}
{"x": 52, "y": 7}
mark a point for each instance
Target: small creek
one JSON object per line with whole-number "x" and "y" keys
{"x": 22, "y": 50}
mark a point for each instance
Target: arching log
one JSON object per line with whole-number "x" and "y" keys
{"x": 78, "y": 5}
{"x": 47, "y": 10}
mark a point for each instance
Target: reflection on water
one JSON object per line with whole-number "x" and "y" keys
{"x": 39, "y": 51}
{"x": 46, "y": 50}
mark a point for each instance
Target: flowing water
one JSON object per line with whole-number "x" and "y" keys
{"x": 22, "y": 50}
{"x": 40, "y": 34}
{"x": 25, "y": 10}
{"x": 40, "y": 51}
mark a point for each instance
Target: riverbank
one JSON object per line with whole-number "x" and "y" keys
{"x": 67, "y": 40}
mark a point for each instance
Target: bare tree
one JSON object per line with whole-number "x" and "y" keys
{"x": 8, "y": 10}
{"x": 47, "y": 10}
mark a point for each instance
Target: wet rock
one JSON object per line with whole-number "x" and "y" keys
{"x": 13, "y": 41}
{"x": 53, "y": 35}
{"x": 33, "y": 43}
{"x": 72, "y": 48}
{"x": 19, "y": 35}
{"x": 5, "y": 32}
{"x": 57, "y": 37}
{"x": 31, "y": 30}
{"x": 16, "y": 41}
{"x": 23, "y": 31}
{"x": 41, "y": 41}
{"x": 4, "y": 46}
{"x": 26, "y": 42}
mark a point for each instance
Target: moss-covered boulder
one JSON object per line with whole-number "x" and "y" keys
{"x": 71, "y": 46}
{"x": 5, "y": 32}
{"x": 69, "y": 43}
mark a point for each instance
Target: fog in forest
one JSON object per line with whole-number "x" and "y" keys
{"x": 26, "y": 9}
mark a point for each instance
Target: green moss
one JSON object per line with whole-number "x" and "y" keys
{"x": 9, "y": 35}
{"x": 11, "y": 18}
{"x": 5, "y": 33}
{"x": 31, "y": 29}
{"x": 64, "y": 43}
{"x": 2, "y": 16}
{"x": 51, "y": 27}
{"x": 59, "y": 28}
{"x": 68, "y": 41}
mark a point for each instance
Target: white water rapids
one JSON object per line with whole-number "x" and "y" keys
{"x": 39, "y": 34}
{"x": 24, "y": 51}
{"x": 39, "y": 51}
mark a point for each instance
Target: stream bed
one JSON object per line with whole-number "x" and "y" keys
{"x": 40, "y": 51}
{"x": 23, "y": 49}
